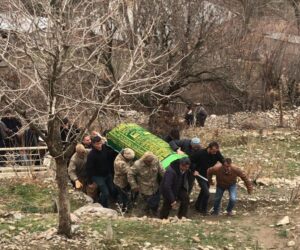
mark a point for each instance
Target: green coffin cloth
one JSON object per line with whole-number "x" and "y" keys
{"x": 140, "y": 141}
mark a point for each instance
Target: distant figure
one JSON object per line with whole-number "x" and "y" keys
{"x": 201, "y": 116}
{"x": 30, "y": 138}
{"x": 189, "y": 115}
{"x": 144, "y": 177}
{"x": 13, "y": 125}
{"x": 3, "y": 139}
{"x": 226, "y": 180}
{"x": 174, "y": 188}
{"x": 68, "y": 131}
{"x": 173, "y": 135}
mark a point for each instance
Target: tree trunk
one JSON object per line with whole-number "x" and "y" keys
{"x": 64, "y": 220}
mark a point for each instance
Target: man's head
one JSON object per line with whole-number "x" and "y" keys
{"x": 86, "y": 140}
{"x": 80, "y": 150}
{"x": 227, "y": 163}
{"x": 97, "y": 142}
{"x": 95, "y": 133}
{"x": 195, "y": 143}
{"x": 184, "y": 164}
{"x": 148, "y": 158}
{"x": 128, "y": 154}
{"x": 213, "y": 148}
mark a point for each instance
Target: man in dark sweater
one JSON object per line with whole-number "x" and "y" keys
{"x": 189, "y": 147}
{"x": 202, "y": 160}
{"x": 99, "y": 169}
{"x": 174, "y": 188}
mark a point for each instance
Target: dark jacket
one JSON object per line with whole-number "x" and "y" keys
{"x": 99, "y": 162}
{"x": 184, "y": 144}
{"x": 12, "y": 123}
{"x": 173, "y": 181}
{"x": 202, "y": 161}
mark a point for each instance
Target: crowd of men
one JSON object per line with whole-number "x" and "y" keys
{"x": 108, "y": 177}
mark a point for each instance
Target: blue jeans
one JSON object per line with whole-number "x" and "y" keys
{"x": 105, "y": 185}
{"x": 232, "y": 198}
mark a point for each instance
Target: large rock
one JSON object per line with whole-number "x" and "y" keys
{"x": 291, "y": 243}
{"x": 284, "y": 221}
{"x": 95, "y": 209}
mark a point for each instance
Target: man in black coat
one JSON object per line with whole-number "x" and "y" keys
{"x": 174, "y": 188}
{"x": 13, "y": 125}
{"x": 99, "y": 169}
{"x": 202, "y": 160}
{"x": 189, "y": 147}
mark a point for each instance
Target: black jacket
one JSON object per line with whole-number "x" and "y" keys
{"x": 99, "y": 162}
{"x": 12, "y": 123}
{"x": 184, "y": 144}
{"x": 202, "y": 160}
{"x": 173, "y": 181}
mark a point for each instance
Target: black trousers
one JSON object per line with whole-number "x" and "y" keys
{"x": 203, "y": 197}
{"x": 184, "y": 199}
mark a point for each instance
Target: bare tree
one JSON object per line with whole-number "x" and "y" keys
{"x": 198, "y": 31}
{"x": 76, "y": 57}
{"x": 296, "y": 7}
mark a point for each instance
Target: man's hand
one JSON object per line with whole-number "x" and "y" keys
{"x": 180, "y": 152}
{"x": 173, "y": 205}
{"x": 196, "y": 173}
{"x": 78, "y": 184}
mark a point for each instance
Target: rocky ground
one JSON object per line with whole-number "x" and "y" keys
{"x": 268, "y": 219}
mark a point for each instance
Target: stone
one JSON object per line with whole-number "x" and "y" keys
{"x": 196, "y": 239}
{"x": 291, "y": 243}
{"x": 3, "y": 231}
{"x": 74, "y": 229}
{"x": 18, "y": 216}
{"x": 147, "y": 244}
{"x": 74, "y": 218}
{"x": 95, "y": 209}
{"x": 284, "y": 221}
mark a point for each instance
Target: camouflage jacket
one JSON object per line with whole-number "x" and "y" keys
{"x": 77, "y": 168}
{"x": 145, "y": 178}
{"x": 121, "y": 167}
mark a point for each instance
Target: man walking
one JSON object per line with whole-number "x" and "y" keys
{"x": 122, "y": 165}
{"x": 144, "y": 177}
{"x": 174, "y": 188}
{"x": 226, "y": 175}
{"x": 189, "y": 147}
{"x": 99, "y": 169}
{"x": 202, "y": 160}
{"x": 77, "y": 167}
